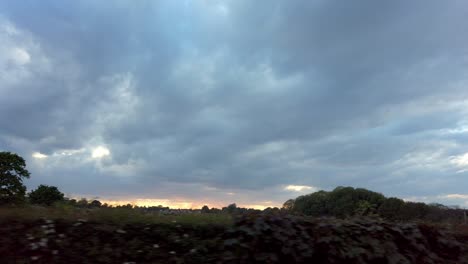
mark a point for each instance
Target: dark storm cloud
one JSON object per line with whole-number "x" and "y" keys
{"x": 237, "y": 95}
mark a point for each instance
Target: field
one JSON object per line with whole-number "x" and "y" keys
{"x": 109, "y": 235}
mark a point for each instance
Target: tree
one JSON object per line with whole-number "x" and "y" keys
{"x": 365, "y": 208}
{"x": 12, "y": 172}
{"x": 95, "y": 203}
{"x": 341, "y": 202}
{"x": 347, "y": 201}
{"x": 391, "y": 208}
{"x": 45, "y": 195}
{"x": 205, "y": 209}
{"x": 72, "y": 202}
{"x": 289, "y": 205}
{"x": 314, "y": 204}
{"x": 82, "y": 203}
{"x": 414, "y": 211}
{"x": 232, "y": 208}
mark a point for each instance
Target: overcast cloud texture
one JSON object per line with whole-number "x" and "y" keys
{"x": 211, "y": 102}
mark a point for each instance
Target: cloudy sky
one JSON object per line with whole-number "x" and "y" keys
{"x": 211, "y": 102}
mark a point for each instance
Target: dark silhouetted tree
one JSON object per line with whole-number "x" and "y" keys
{"x": 347, "y": 201}
{"x": 72, "y": 202}
{"x": 205, "y": 209}
{"x": 413, "y": 210}
{"x": 232, "y": 208}
{"x": 12, "y": 172}
{"x": 314, "y": 204}
{"x": 391, "y": 208}
{"x": 341, "y": 202}
{"x": 95, "y": 203}
{"x": 45, "y": 195}
{"x": 82, "y": 203}
{"x": 289, "y": 205}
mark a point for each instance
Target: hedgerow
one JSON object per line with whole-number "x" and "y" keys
{"x": 255, "y": 238}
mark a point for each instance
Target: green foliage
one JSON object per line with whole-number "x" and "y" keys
{"x": 12, "y": 172}
{"x": 286, "y": 239}
{"x": 345, "y": 202}
{"x": 289, "y": 205}
{"x": 123, "y": 235}
{"x": 341, "y": 202}
{"x": 314, "y": 204}
{"x": 45, "y": 195}
{"x": 391, "y": 208}
{"x": 365, "y": 208}
{"x": 87, "y": 241}
{"x": 412, "y": 210}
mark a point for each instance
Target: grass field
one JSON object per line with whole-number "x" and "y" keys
{"x": 111, "y": 215}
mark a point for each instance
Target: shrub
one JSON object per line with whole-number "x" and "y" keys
{"x": 45, "y": 195}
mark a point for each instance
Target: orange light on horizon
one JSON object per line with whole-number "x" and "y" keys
{"x": 156, "y": 202}
{"x": 178, "y": 204}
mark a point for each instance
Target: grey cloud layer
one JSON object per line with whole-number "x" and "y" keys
{"x": 238, "y": 95}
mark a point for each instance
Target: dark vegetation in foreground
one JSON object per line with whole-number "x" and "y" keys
{"x": 345, "y": 225}
{"x": 251, "y": 238}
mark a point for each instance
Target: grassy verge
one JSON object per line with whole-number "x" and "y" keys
{"x": 110, "y": 215}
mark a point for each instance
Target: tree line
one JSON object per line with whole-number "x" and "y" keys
{"x": 344, "y": 202}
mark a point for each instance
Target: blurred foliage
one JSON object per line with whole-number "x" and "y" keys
{"x": 288, "y": 239}
{"x": 252, "y": 238}
{"x": 345, "y": 202}
{"x": 86, "y": 241}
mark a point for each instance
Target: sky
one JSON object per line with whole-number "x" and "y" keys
{"x": 185, "y": 103}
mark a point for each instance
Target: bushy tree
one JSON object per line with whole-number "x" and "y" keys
{"x": 391, "y": 208}
{"x": 346, "y": 201}
{"x": 45, "y": 195}
{"x": 72, "y": 202}
{"x": 95, "y": 203}
{"x": 232, "y": 208}
{"x": 414, "y": 210}
{"x": 289, "y": 205}
{"x": 12, "y": 172}
{"x": 365, "y": 208}
{"x": 314, "y": 204}
{"x": 205, "y": 209}
{"x": 341, "y": 202}
{"x": 82, "y": 203}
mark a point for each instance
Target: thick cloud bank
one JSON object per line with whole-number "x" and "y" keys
{"x": 237, "y": 101}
